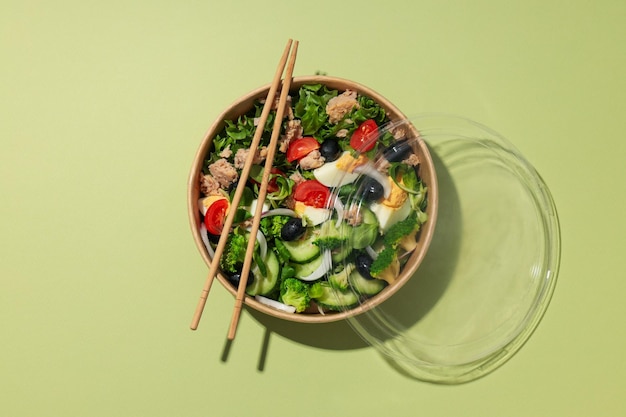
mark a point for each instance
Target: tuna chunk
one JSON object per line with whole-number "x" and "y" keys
{"x": 412, "y": 159}
{"x": 226, "y": 152}
{"x": 209, "y": 185}
{"x": 242, "y": 155}
{"x": 338, "y": 107}
{"x": 223, "y": 172}
{"x": 297, "y": 178}
{"x": 313, "y": 160}
{"x": 292, "y": 131}
{"x": 353, "y": 216}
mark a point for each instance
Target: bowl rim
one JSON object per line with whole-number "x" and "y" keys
{"x": 245, "y": 103}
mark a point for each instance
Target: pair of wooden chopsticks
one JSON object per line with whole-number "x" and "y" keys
{"x": 219, "y": 250}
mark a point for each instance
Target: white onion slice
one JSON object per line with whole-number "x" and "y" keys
{"x": 260, "y": 237}
{"x": 325, "y": 266}
{"x": 338, "y": 205}
{"x": 371, "y": 252}
{"x": 275, "y": 304}
{"x": 321, "y": 310}
{"x": 280, "y": 212}
{"x": 205, "y": 239}
{"x": 370, "y": 170}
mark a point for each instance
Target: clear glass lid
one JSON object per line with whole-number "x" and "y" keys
{"x": 491, "y": 266}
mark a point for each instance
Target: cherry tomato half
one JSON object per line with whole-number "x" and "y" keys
{"x": 312, "y": 193}
{"x": 215, "y": 215}
{"x": 301, "y": 147}
{"x": 365, "y": 136}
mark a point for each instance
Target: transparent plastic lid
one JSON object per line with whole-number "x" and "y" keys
{"x": 462, "y": 303}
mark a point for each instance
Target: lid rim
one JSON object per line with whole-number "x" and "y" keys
{"x": 401, "y": 352}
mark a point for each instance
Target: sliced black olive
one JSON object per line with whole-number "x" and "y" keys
{"x": 363, "y": 264}
{"x": 234, "y": 279}
{"x": 232, "y": 186}
{"x": 371, "y": 190}
{"x": 292, "y": 230}
{"x": 398, "y": 151}
{"x": 330, "y": 150}
{"x": 213, "y": 238}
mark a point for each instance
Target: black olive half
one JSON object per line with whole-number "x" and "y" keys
{"x": 371, "y": 190}
{"x": 398, "y": 151}
{"x": 330, "y": 150}
{"x": 363, "y": 265}
{"x": 213, "y": 238}
{"x": 235, "y": 277}
{"x": 292, "y": 230}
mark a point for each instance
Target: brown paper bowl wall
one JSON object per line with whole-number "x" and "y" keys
{"x": 427, "y": 173}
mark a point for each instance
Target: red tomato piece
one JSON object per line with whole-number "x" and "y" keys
{"x": 365, "y": 136}
{"x": 272, "y": 185}
{"x": 301, "y": 147}
{"x": 312, "y": 193}
{"x": 215, "y": 215}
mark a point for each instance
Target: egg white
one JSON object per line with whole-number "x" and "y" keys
{"x": 314, "y": 215}
{"x": 254, "y": 203}
{"x": 332, "y": 175}
{"x": 388, "y": 216}
{"x": 205, "y": 202}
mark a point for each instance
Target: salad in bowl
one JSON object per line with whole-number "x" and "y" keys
{"x": 350, "y": 207}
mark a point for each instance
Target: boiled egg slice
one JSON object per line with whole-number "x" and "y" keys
{"x": 253, "y": 205}
{"x": 205, "y": 202}
{"x": 313, "y": 215}
{"x": 340, "y": 171}
{"x": 388, "y": 216}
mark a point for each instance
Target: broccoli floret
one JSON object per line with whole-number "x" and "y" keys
{"x": 271, "y": 226}
{"x": 234, "y": 253}
{"x": 329, "y": 242}
{"x": 383, "y": 260}
{"x": 391, "y": 240}
{"x": 316, "y": 290}
{"x": 401, "y": 229}
{"x": 295, "y": 293}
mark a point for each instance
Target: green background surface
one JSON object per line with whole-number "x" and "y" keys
{"x": 102, "y": 108}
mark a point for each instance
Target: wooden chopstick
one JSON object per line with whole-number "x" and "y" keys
{"x": 243, "y": 281}
{"x": 243, "y": 177}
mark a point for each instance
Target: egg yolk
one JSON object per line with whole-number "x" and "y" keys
{"x": 347, "y": 162}
{"x": 207, "y": 201}
{"x": 397, "y": 196}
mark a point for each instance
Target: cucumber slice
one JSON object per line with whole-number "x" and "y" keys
{"x": 365, "y": 286}
{"x": 263, "y": 285}
{"x": 336, "y": 238}
{"x": 368, "y": 216}
{"x": 304, "y": 270}
{"x": 330, "y": 230}
{"x": 337, "y": 300}
{"x": 340, "y": 279}
{"x": 303, "y": 250}
{"x": 341, "y": 253}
